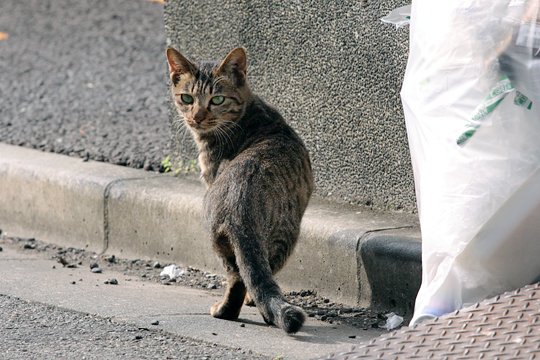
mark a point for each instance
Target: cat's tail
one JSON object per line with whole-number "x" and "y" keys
{"x": 288, "y": 317}
{"x": 252, "y": 261}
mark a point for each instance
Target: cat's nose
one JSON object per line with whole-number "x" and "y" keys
{"x": 199, "y": 116}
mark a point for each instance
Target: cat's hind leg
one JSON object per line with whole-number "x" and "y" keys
{"x": 248, "y": 301}
{"x": 231, "y": 304}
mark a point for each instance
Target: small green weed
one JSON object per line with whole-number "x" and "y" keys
{"x": 167, "y": 164}
{"x": 181, "y": 167}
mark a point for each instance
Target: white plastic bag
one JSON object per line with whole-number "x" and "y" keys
{"x": 399, "y": 17}
{"x": 471, "y": 98}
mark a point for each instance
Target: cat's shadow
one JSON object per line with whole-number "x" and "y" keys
{"x": 308, "y": 333}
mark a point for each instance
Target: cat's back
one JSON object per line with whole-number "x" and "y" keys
{"x": 271, "y": 169}
{"x": 271, "y": 145}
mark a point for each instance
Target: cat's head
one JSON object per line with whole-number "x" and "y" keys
{"x": 209, "y": 94}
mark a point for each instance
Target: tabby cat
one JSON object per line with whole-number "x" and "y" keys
{"x": 258, "y": 177}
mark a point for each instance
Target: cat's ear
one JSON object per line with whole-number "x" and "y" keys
{"x": 235, "y": 65}
{"x": 178, "y": 65}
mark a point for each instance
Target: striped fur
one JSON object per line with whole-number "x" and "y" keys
{"x": 259, "y": 181}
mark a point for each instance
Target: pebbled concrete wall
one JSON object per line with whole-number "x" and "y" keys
{"x": 334, "y": 71}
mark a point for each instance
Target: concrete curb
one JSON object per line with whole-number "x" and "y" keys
{"x": 393, "y": 266}
{"x": 351, "y": 255}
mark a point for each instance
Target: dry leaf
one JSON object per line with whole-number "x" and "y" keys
{"x": 3, "y": 36}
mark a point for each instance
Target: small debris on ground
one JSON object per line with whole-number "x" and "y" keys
{"x": 112, "y": 281}
{"x": 65, "y": 263}
{"x": 171, "y": 271}
{"x": 392, "y": 321}
{"x": 29, "y": 243}
{"x": 155, "y": 322}
{"x": 315, "y": 306}
{"x": 96, "y": 270}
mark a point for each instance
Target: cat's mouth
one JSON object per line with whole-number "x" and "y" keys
{"x": 204, "y": 126}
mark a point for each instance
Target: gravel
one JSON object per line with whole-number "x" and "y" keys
{"x": 315, "y": 306}
{"x": 32, "y": 330}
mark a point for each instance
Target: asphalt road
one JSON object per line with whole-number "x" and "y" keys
{"x": 31, "y": 330}
{"x": 85, "y": 78}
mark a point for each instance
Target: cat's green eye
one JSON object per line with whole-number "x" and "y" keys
{"x": 217, "y": 100}
{"x": 186, "y": 99}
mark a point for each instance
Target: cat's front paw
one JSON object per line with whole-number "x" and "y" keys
{"x": 222, "y": 310}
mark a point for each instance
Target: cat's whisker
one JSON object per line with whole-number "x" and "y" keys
{"x": 219, "y": 138}
{"x": 228, "y": 136}
{"x": 186, "y": 130}
{"x": 223, "y": 130}
{"x": 230, "y": 127}
{"x": 180, "y": 128}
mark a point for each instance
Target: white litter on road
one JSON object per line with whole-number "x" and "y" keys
{"x": 172, "y": 271}
{"x": 392, "y": 321}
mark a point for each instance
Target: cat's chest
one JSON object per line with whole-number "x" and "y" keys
{"x": 211, "y": 167}
{"x": 206, "y": 168}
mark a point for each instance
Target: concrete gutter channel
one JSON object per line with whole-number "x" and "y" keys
{"x": 351, "y": 255}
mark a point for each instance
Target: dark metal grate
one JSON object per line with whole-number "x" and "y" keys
{"x": 504, "y": 327}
